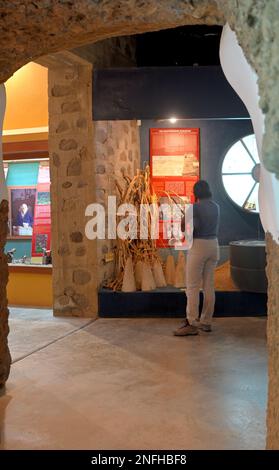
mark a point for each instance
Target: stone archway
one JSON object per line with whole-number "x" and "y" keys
{"x": 34, "y": 28}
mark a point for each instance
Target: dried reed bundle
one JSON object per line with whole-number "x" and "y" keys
{"x": 136, "y": 191}
{"x": 170, "y": 270}
{"x": 180, "y": 271}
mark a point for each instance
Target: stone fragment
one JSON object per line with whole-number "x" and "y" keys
{"x": 67, "y": 185}
{"x": 61, "y": 90}
{"x": 82, "y": 184}
{"x": 70, "y": 107}
{"x": 70, "y": 74}
{"x": 80, "y": 300}
{"x": 110, "y": 169}
{"x": 80, "y": 251}
{"x": 76, "y": 237}
{"x": 63, "y": 300}
{"x": 123, "y": 156}
{"x": 68, "y": 311}
{"x": 100, "y": 194}
{"x": 63, "y": 250}
{"x": 82, "y": 123}
{"x": 69, "y": 204}
{"x": 69, "y": 291}
{"x": 55, "y": 159}
{"x": 105, "y": 249}
{"x": 62, "y": 127}
{"x": 101, "y": 135}
{"x": 101, "y": 169}
{"x": 68, "y": 144}
{"x": 74, "y": 167}
{"x": 125, "y": 128}
{"x": 110, "y": 150}
{"x": 101, "y": 181}
{"x": 81, "y": 277}
{"x": 83, "y": 153}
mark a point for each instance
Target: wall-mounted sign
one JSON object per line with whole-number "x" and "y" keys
{"x": 174, "y": 165}
{"x": 42, "y": 222}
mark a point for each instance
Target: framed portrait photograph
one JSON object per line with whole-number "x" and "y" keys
{"x": 22, "y": 208}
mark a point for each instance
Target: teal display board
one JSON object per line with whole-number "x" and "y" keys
{"x": 22, "y": 174}
{"x": 23, "y": 248}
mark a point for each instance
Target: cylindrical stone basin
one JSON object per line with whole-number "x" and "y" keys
{"x": 247, "y": 265}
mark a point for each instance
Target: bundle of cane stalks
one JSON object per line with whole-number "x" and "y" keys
{"x": 137, "y": 266}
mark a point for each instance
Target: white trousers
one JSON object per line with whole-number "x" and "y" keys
{"x": 200, "y": 267}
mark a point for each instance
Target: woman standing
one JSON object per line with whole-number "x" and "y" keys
{"x": 202, "y": 259}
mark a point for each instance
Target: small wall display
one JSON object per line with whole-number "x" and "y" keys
{"x": 42, "y": 226}
{"x": 44, "y": 198}
{"x": 174, "y": 161}
{"x": 175, "y": 166}
{"x": 41, "y": 242}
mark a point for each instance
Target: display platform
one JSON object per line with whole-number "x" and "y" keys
{"x": 170, "y": 302}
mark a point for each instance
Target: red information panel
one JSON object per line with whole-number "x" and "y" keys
{"x": 42, "y": 219}
{"x": 174, "y": 165}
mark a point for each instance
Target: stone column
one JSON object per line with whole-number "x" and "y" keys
{"x": 72, "y": 189}
{"x": 117, "y": 149}
{"x": 5, "y": 358}
{"x": 273, "y": 343}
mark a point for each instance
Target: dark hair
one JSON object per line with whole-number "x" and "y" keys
{"x": 202, "y": 190}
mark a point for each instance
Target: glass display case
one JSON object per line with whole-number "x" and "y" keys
{"x": 29, "y": 223}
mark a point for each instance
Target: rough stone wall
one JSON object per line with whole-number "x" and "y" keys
{"x": 112, "y": 52}
{"x": 117, "y": 150}
{"x": 256, "y": 24}
{"x": 5, "y": 358}
{"x": 273, "y": 344}
{"x": 32, "y": 28}
{"x": 72, "y": 189}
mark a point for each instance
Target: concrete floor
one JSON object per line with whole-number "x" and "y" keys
{"x": 128, "y": 384}
{"x": 32, "y": 329}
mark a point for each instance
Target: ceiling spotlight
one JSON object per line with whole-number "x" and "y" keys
{"x": 173, "y": 120}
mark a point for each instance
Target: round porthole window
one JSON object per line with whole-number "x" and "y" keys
{"x": 241, "y": 173}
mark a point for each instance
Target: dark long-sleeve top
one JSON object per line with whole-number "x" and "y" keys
{"x": 206, "y": 219}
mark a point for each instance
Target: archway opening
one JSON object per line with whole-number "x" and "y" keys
{"x": 69, "y": 241}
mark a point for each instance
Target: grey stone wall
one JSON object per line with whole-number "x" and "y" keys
{"x": 117, "y": 150}
{"x": 256, "y": 24}
{"x": 112, "y": 52}
{"x": 273, "y": 344}
{"x": 5, "y": 357}
{"x": 72, "y": 189}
